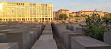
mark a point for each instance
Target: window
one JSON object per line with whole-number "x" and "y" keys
{"x": 33, "y": 4}
{"x": 17, "y": 3}
{"x": 12, "y": 10}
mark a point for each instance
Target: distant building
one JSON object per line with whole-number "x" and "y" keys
{"x": 78, "y": 16}
{"x": 73, "y": 14}
{"x": 105, "y": 13}
{"x": 61, "y": 11}
{"x": 32, "y": 12}
{"x": 80, "y": 13}
{"x": 55, "y": 14}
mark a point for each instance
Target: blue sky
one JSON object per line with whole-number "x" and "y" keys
{"x": 74, "y": 5}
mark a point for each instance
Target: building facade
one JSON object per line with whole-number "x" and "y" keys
{"x": 73, "y": 14}
{"x": 89, "y": 13}
{"x": 30, "y": 12}
{"x": 61, "y": 11}
{"x": 55, "y": 14}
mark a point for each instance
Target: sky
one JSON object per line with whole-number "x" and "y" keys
{"x": 74, "y": 5}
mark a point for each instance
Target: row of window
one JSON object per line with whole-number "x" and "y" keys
{"x": 16, "y": 3}
{"x": 28, "y": 7}
{"x": 32, "y": 4}
{"x": 29, "y": 19}
{"x": 24, "y": 16}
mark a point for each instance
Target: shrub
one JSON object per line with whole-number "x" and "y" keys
{"x": 95, "y": 27}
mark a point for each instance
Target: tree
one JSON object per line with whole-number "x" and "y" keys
{"x": 107, "y": 19}
{"x": 63, "y": 17}
{"x": 108, "y": 16}
{"x": 76, "y": 16}
{"x": 83, "y": 15}
{"x": 56, "y": 18}
{"x": 95, "y": 27}
{"x": 71, "y": 16}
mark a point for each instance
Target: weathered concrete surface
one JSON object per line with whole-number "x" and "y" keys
{"x": 71, "y": 28}
{"x": 46, "y": 40}
{"x": 47, "y": 32}
{"x": 45, "y": 44}
{"x": 84, "y": 42}
{"x": 46, "y": 37}
{"x": 67, "y": 38}
{"x": 20, "y": 36}
{"x": 5, "y": 31}
{"x": 34, "y": 35}
{"x": 107, "y": 37}
{"x": 76, "y": 27}
{"x": 59, "y": 28}
{"x": 9, "y": 46}
{"x": 3, "y": 27}
{"x": 62, "y": 33}
{"x": 2, "y": 37}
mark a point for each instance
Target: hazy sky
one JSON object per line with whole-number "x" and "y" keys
{"x": 74, "y": 5}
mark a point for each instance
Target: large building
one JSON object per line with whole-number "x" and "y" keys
{"x": 26, "y": 12}
{"x": 89, "y": 13}
{"x": 55, "y": 14}
{"x": 61, "y": 11}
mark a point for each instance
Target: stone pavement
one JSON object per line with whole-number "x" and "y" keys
{"x": 46, "y": 40}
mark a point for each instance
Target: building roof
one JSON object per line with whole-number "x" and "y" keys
{"x": 64, "y": 10}
{"x": 55, "y": 11}
{"x": 91, "y": 11}
{"x": 70, "y": 13}
{"x": 106, "y": 12}
{"x": 74, "y": 12}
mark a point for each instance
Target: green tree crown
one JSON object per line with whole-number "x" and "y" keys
{"x": 63, "y": 17}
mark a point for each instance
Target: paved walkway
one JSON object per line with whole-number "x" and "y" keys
{"x": 46, "y": 41}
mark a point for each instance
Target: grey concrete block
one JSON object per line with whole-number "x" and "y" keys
{"x": 32, "y": 37}
{"x": 9, "y": 46}
{"x": 47, "y": 32}
{"x": 107, "y": 37}
{"x": 48, "y": 28}
{"x": 67, "y": 38}
{"x": 45, "y": 44}
{"x": 46, "y": 37}
{"x": 37, "y": 31}
{"x": 41, "y": 26}
{"x": 5, "y": 31}
{"x": 79, "y": 30}
{"x": 71, "y": 28}
{"x": 63, "y": 32}
{"x": 46, "y": 41}
{"x": 67, "y": 27}
{"x": 2, "y": 37}
{"x": 84, "y": 42}
{"x": 22, "y": 37}
{"x": 3, "y": 27}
